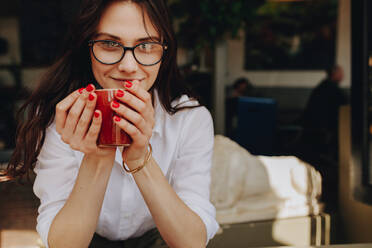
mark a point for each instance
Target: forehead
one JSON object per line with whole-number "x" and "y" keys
{"x": 127, "y": 21}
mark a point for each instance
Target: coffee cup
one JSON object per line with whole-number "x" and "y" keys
{"x": 110, "y": 134}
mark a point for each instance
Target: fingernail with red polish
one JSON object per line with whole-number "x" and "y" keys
{"x": 91, "y": 97}
{"x": 81, "y": 90}
{"x": 120, "y": 93}
{"x": 115, "y": 104}
{"x": 117, "y": 118}
{"x": 128, "y": 84}
{"x": 96, "y": 114}
{"x": 90, "y": 87}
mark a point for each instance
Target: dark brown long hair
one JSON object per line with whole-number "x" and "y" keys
{"x": 72, "y": 70}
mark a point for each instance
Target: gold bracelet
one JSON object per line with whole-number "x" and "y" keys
{"x": 145, "y": 161}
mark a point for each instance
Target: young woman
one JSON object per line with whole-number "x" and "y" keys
{"x": 87, "y": 198}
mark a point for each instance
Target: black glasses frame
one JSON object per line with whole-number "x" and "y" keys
{"x": 91, "y": 43}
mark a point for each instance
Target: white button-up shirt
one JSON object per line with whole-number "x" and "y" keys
{"x": 182, "y": 146}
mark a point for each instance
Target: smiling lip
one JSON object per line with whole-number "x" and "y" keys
{"x": 123, "y": 81}
{"x": 126, "y": 79}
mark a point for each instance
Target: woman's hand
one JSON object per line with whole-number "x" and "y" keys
{"x": 136, "y": 117}
{"x": 74, "y": 122}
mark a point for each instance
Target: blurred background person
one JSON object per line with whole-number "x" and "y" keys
{"x": 241, "y": 87}
{"x": 318, "y": 144}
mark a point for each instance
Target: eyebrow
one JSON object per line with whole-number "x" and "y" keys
{"x": 152, "y": 38}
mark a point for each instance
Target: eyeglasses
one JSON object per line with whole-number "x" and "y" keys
{"x": 110, "y": 52}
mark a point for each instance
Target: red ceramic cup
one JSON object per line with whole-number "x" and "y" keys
{"x": 110, "y": 134}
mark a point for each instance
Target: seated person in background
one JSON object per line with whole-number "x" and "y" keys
{"x": 319, "y": 141}
{"x": 241, "y": 87}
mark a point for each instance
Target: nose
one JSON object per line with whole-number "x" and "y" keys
{"x": 128, "y": 63}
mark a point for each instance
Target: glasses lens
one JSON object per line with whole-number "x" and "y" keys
{"x": 148, "y": 53}
{"x": 107, "y": 52}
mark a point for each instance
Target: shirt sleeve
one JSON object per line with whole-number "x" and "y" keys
{"x": 56, "y": 171}
{"x": 191, "y": 175}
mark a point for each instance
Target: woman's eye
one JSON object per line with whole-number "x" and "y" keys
{"x": 145, "y": 46}
{"x": 110, "y": 44}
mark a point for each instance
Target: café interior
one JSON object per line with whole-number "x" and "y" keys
{"x": 267, "y": 192}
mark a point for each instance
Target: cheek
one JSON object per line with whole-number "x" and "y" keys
{"x": 98, "y": 69}
{"x": 155, "y": 72}
{"x": 152, "y": 74}
{"x": 94, "y": 67}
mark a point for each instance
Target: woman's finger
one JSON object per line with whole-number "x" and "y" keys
{"x": 132, "y": 116}
{"x": 86, "y": 116}
{"x": 131, "y": 100}
{"x": 138, "y": 138}
{"x": 135, "y": 88}
{"x": 75, "y": 113}
{"x": 93, "y": 131}
{"x": 144, "y": 109}
{"x": 62, "y": 109}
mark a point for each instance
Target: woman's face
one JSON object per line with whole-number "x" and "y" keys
{"x": 123, "y": 22}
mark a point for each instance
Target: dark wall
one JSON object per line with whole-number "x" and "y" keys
{"x": 9, "y": 8}
{"x": 43, "y": 25}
